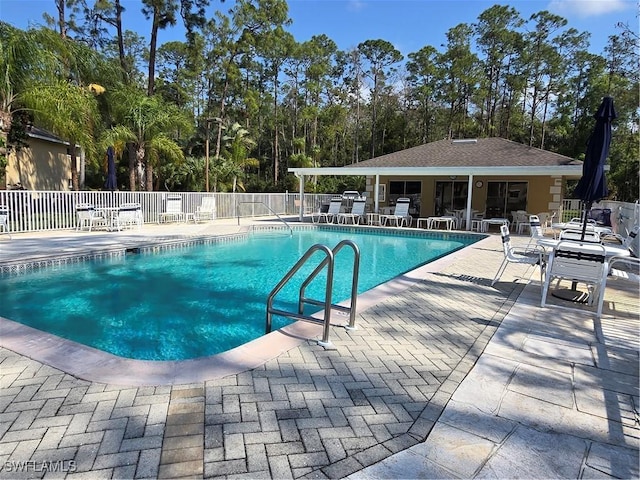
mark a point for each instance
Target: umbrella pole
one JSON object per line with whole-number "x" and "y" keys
{"x": 587, "y": 207}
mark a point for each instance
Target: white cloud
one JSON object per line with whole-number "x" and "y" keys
{"x": 589, "y": 8}
{"x": 355, "y": 5}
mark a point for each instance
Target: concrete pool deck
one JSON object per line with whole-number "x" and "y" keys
{"x": 446, "y": 377}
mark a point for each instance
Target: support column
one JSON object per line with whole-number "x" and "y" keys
{"x": 301, "y": 211}
{"x": 376, "y": 194}
{"x": 469, "y": 195}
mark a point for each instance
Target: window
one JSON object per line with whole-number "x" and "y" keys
{"x": 382, "y": 192}
{"x": 408, "y": 189}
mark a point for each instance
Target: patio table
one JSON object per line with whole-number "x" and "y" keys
{"x": 373, "y": 218}
{"x": 435, "y": 222}
{"x": 610, "y": 250}
{"x": 111, "y": 216}
{"x": 493, "y": 221}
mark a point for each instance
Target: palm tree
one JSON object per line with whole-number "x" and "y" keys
{"x": 69, "y": 111}
{"x": 145, "y": 123}
{"x": 58, "y": 80}
{"x": 237, "y": 144}
{"x": 23, "y": 60}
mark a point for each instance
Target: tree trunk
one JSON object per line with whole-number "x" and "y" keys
{"x": 140, "y": 177}
{"x": 62, "y": 24}
{"x": 276, "y": 163}
{"x": 152, "y": 51}
{"x": 149, "y": 177}
{"x": 132, "y": 166}
{"x": 6, "y": 120}
{"x": 222, "y": 107}
{"x": 121, "y": 52}
{"x": 74, "y": 168}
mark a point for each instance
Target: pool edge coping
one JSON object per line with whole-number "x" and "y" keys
{"x": 91, "y": 364}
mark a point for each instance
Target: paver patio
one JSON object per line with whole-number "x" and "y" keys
{"x": 310, "y": 412}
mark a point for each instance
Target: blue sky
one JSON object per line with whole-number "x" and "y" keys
{"x": 407, "y": 24}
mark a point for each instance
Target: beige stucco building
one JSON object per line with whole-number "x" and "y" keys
{"x": 44, "y": 165}
{"x": 491, "y": 175}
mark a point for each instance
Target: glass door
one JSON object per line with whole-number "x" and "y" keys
{"x": 505, "y": 197}
{"x": 450, "y": 196}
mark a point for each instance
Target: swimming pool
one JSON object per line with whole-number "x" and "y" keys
{"x": 203, "y": 299}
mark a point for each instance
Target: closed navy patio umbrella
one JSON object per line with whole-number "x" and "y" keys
{"x": 111, "y": 183}
{"x": 592, "y": 187}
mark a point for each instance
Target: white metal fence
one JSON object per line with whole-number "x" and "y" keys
{"x": 32, "y": 211}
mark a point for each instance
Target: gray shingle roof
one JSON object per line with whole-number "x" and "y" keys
{"x": 43, "y": 134}
{"x": 483, "y": 152}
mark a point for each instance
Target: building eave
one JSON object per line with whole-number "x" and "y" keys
{"x": 48, "y": 139}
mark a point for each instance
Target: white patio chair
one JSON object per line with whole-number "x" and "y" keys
{"x": 173, "y": 210}
{"x": 449, "y": 214}
{"x": 546, "y": 219}
{"x": 520, "y": 221}
{"x": 88, "y": 216}
{"x": 206, "y": 210}
{"x": 129, "y": 214}
{"x": 400, "y": 215}
{"x": 535, "y": 230}
{"x": 580, "y": 263}
{"x": 330, "y": 214}
{"x": 4, "y": 219}
{"x": 356, "y": 214}
{"x": 533, "y": 256}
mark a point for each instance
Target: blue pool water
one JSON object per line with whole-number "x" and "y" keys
{"x": 204, "y": 299}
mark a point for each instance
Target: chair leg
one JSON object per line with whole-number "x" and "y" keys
{"x": 501, "y": 270}
{"x": 545, "y": 291}
{"x": 600, "y": 300}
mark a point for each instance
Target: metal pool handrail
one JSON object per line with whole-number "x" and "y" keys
{"x": 354, "y": 284}
{"x": 327, "y": 298}
{"x": 328, "y": 262}
{"x": 268, "y": 208}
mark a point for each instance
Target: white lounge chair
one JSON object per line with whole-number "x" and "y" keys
{"x": 129, "y": 214}
{"x": 4, "y": 219}
{"x": 579, "y": 262}
{"x": 400, "y": 215}
{"x": 173, "y": 210}
{"x": 88, "y": 216}
{"x": 206, "y": 210}
{"x": 356, "y": 214}
{"x": 531, "y": 256}
{"x": 330, "y": 214}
